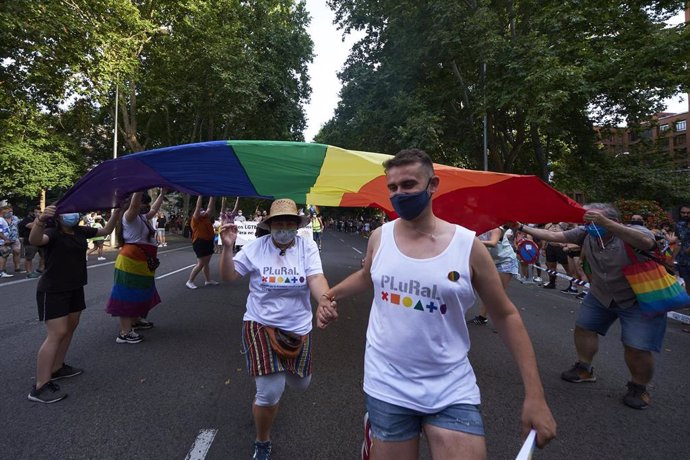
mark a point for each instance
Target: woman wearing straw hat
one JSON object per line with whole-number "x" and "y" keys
{"x": 284, "y": 269}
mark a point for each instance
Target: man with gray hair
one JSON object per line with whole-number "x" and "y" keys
{"x": 603, "y": 239}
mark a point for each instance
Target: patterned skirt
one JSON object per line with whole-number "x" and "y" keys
{"x": 134, "y": 290}
{"x": 262, "y": 360}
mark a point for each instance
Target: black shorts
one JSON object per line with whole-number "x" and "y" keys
{"x": 53, "y": 305}
{"x": 29, "y": 252}
{"x": 556, "y": 254}
{"x": 203, "y": 248}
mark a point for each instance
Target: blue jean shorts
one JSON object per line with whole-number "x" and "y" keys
{"x": 394, "y": 423}
{"x": 637, "y": 330}
{"x": 510, "y": 266}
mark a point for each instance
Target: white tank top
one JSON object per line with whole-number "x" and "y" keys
{"x": 417, "y": 339}
{"x": 137, "y": 231}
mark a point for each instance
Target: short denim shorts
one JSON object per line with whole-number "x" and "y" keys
{"x": 637, "y": 330}
{"x": 510, "y": 266}
{"x": 394, "y": 423}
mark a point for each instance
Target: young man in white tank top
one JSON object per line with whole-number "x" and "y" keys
{"x": 424, "y": 272}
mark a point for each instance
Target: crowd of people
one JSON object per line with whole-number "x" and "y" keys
{"x": 451, "y": 268}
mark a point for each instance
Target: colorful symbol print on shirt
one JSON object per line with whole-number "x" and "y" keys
{"x": 283, "y": 282}
{"x": 453, "y": 276}
{"x": 409, "y": 302}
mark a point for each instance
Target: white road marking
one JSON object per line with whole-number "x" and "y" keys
{"x": 202, "y": 444}
{"x": 357, "y": 250}
{"x": 89, "y": 267}
{"x": 176, "y": 271}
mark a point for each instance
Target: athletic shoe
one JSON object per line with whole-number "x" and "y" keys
{"x": 130, "y": 337}
{"x": 581, "y": 295}
{"x": 549, "y": 286}
{"x": 478, "y": 320}
{"x": 570, "y": 290}
{"x": 5, "y": 275}
{"x": 66, "y": 371}
{"x": 211, "y": 283}
{"x": 33, "y": 275}
{"x": 536, "y": 279}
{"x": 366, "y": 443}
{"x": 20, "y": 271}
{"x": 637, "y": 396}
{"x": 47, "y": 394}
{"x": 262, "y": 450}
{"x": 190, "y": 285}
{"x": 165, "y": 245}
{"x": 578, "y": 374}
{"x": 101, "y": 258}
{"x": 142, "y": 325}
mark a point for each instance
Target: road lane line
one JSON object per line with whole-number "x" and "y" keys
{"x": 176, "y": 271}
{"x": 89, "y": 267}
{"x": 357, "y": 250}
{"x": 201, "y": 445}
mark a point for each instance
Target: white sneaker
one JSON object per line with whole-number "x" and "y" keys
{"x": 165, "y": 244}
{"x": 5, "y": 275}
{"x": 537, "y": 279}
{"x": 190, "y": 285}
{"x": 211, "y": 283}
{"x": 101, "y": 258}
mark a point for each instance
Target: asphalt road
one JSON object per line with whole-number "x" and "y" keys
{"x": 155, "y": 399}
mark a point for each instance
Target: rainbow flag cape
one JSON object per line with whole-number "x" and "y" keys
{"x": 317, "y": 174}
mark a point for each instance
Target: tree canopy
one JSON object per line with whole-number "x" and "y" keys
{"x": 544, "y": 73}
{"x": 184, "y": 71}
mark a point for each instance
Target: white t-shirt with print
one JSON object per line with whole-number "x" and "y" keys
{"x": 278, "y": 289}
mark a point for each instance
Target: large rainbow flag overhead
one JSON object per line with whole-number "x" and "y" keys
{"x": 318, "y": 174}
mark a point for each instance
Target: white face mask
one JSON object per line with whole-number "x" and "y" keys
{"x": 283, "y": 236}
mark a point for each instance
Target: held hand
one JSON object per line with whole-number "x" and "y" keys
{"x": 48, "y": 213}
{"x": 228, "y": 234}
{"x": 596, "y": 217}
{"x": 326, "y": 312}
{"x": 536, "y": 414}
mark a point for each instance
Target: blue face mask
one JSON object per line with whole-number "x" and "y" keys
{"x": 596, "y": 231}
{"x": 9, "y": 214}
{"x": 70, "y": 220}
{"x": 410, "y": 205}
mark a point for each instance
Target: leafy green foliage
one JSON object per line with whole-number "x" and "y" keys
{"x": 35, "y": 155}
{"x": 417, "y": 77}
{"x": 185, "y": 70}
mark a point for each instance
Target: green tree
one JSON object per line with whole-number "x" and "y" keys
{"x": 34, "y": 154}
{"x": 417, "y": 77}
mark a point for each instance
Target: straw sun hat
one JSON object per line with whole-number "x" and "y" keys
{"x": 283, "y": 207}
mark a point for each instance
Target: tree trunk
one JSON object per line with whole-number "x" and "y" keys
{"x": 540, "y": 153}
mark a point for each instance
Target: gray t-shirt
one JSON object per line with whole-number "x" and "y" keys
{"x": 607, "y": 282}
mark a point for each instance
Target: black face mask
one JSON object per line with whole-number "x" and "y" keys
{"x": 636, "y": 222}
{"x": 684, "y": 218}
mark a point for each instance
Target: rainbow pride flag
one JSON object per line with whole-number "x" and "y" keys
{"x": 317, "y": 174}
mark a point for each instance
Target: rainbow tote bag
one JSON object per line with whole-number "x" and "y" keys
{"x": 657, "y": 291}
